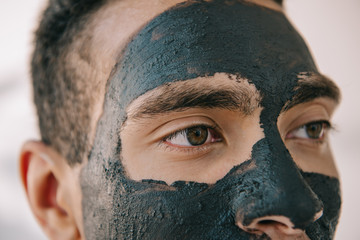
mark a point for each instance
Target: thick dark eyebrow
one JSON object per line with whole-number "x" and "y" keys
{"x": 179, "y": 97}
{"x": 311, "y": 86}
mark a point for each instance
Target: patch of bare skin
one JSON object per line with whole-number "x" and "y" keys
{"x": 163, "y": 186}
{"x": 245, "y": 167}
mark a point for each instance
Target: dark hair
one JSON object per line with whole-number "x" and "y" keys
{"x": 61, "y": 93}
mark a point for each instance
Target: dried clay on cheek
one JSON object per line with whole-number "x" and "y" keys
{"x": 196, "y": 40}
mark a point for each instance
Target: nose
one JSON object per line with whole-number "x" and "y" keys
{"x": 274, "y": 199}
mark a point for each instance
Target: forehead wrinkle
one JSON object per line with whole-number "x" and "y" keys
{"x": 311, "y": 86}
{"x": 204, "y": 92}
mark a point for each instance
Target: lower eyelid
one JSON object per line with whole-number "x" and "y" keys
{"x": 189, "y": 150}
{"x": 310, "y": 142}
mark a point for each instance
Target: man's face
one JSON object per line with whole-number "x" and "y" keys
{"x": 214, "y": 126}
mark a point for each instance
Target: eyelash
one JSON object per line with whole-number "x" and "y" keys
{"x": 190, "y": 149}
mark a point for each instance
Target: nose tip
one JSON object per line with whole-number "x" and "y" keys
{"x": 280, "y": 218}
{"x": 276, "y": 227}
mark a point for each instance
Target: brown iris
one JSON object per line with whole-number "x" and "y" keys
{"x": 197, "y": 135}
{"x": 315, "y": 130}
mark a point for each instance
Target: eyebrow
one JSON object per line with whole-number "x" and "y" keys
{"x": 311, "y": 86}
{"x": 179, "y": 97}
{"x": 182, "y": 95}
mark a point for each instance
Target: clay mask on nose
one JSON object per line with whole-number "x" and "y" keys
{"x": 198, "y": 39}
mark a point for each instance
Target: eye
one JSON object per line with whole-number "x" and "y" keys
{"x": 313, "y": 130}
{"x": 193, "y": 136}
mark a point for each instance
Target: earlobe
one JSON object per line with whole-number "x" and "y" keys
{"x": 42, "y": 173}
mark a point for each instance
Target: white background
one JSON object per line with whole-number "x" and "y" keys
{"x": 331, "y": 28}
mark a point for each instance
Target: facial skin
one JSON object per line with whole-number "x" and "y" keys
{"x": 237, "y": 73}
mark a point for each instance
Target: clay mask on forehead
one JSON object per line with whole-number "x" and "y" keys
{"x": 190, "y": 40}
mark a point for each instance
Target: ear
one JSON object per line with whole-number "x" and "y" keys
{"x": 42, "y": 173}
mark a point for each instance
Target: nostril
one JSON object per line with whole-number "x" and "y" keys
{"x": 318, "y": 215}
{"x": 268, "y": 222}
{"x": 271, "y": 223}
{"x": 275, "y": 227}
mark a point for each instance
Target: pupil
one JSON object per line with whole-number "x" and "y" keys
{"x": 197, "y": 135}
{"x": 314, "y": 130}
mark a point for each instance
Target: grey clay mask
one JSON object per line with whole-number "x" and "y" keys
{"x": 207, "y": 37}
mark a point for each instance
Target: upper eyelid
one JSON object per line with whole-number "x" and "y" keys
{"x": 301, "y": 121}
{"x": 327, "y": 122}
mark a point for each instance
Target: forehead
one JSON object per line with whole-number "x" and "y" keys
{"x": 201, "y": 38}
{"x": 116, "y": 23}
